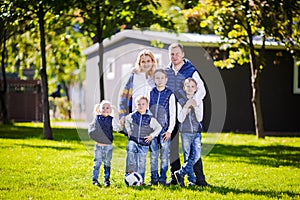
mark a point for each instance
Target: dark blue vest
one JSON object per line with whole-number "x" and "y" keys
{"x": 104, "y": 135}
{"x": 175, "y": 81}
{"x": 140, "y": 127}
{"x": 159, "y": 106}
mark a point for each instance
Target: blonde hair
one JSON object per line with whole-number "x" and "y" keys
{"x": 98, "y": 107}
{"x": 160, "y": 70}
{"x": 140, "y": 97}
{"x": 175, "y": 45}
{"x": 146, "y": 52}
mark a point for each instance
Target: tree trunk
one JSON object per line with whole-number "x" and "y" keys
{"x": 100, "y": 51}
{"x": 46, "y": 116}
{"x": 5, "y": 119}
{"x": 255, "y": 100}
{"x": 101, "y": 75}
{"x": 255, "y": 84}
{"x": 256, "y": 105}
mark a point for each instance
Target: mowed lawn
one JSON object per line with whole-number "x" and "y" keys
{"x": 238, "y": 166}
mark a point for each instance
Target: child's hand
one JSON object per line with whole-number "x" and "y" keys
{"x": 136, "y": 70}
{"x": 148, "y": 138}
{"x": 166, "y": 136}
{"x": 128, "y": 134}
{"x": 191, "y": 103}
{"x": 114, "y": 111}
{"x": 122, "y": 121}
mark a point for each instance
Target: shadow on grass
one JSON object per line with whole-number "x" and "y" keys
{"x": 273, "y": 155}
{"x": 270, "y": 194}
{"x": 224, "y": 191}
{"x": 59, "y": 134}
{"x": 24, "y": 132}
{"x": 47, "y": 147}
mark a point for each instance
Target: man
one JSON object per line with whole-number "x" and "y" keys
{"x": 178, "y": 70}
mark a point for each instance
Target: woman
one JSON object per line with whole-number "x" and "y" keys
{"x": 140, "y": 83}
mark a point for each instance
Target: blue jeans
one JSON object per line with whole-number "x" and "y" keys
{"x": 158, "y": 145}
{"x": 191, "y": 145}
{"x": 102, "y": 154}
{"x": 136, "y": 158}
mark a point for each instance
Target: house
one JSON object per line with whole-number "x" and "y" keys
{"x": 228, "y": 100}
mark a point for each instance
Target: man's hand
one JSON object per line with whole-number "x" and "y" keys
{"x": 166, "y": 136}
{"x": 148, "y": 138}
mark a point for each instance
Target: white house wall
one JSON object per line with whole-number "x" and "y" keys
{"x": 92, "y": 85}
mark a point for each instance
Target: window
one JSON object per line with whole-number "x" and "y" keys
{"x": 158, "y": 60}
{"x": 110, "y": 69}
{"x": 296, "y": 75}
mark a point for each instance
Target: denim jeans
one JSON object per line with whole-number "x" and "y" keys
{"x": 159, "y": 146}
{"x": 102, "y": 154}
{"x": 191, "y": 145}
{"x": 136, "y": 158}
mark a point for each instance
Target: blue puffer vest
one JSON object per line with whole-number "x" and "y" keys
{"x": 106, "y": 126}
{"x": 159, "y": 106}
{"x": 141, "y": 127}
{"x": 190, "y": 124}
{"x": 175, "y": 82}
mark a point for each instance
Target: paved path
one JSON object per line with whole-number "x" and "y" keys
{"x": 71, "y": 124}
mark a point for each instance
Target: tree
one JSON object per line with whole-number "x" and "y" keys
{"x": 37, "y": 10}
{"x": 239, "y": 21}
{"x": 6, "y": 22}
{"x": 102, "y": 19}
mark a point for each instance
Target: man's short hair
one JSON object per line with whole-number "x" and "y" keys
{"x": 175, "y": 45}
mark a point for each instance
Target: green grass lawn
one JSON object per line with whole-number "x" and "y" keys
{"x": 239, "y": 166}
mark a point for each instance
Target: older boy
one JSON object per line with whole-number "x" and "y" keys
{"x": 163, "y": 106}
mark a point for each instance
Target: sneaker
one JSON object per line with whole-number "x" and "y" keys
{"x": 179, "y": 178}
{"x": 163, "y": 183}
{"x": 152, "y": 183}
{"x": 203, "y": 184}
{"x": 172, "y": 181}
{"x": 191, "y": 184}
{"x": 95, "y": 182}
{"x": 106, "y": 183}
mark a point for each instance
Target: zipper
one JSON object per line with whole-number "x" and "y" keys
{"x": 139, "y": 133}
{"x": 157, "y": 103}
{"x": 190, "y": 120}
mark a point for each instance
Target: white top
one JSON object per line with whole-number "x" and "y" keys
{"x": 201, "y": 92}
{"x": 141, "y": 86}
{"x": 172, "y": 113}
{"x": 182, "y": 112}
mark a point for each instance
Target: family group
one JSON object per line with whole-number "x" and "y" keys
{"x": 156, "y": 105}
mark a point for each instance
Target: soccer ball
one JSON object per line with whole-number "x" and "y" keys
{"x": 134, "y": 179}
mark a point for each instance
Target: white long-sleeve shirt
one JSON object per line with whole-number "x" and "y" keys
{"x": 172, "y": 113}
{"x": 183, "y": 112}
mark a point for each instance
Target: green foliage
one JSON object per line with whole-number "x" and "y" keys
{"x": 239, "y": 167}
{"x": 64, "y": 45}
{"x": 239, "y": 21}
{"x": 107, "y": 17}
{"x": 175, "y": 10}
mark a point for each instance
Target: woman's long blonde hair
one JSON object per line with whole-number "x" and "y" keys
{"x": 146, "y": 52}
